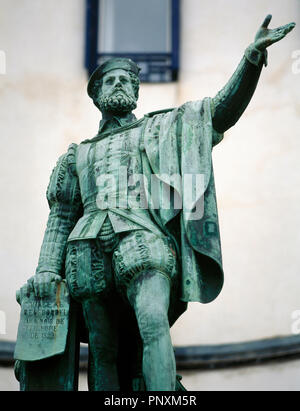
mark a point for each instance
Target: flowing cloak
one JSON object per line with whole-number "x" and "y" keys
{"x": 179, "y": 142}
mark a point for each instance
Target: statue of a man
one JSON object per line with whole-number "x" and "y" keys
{"x": 109, "y": 234}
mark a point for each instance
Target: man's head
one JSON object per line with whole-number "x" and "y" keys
{"x": 114, "y": 86}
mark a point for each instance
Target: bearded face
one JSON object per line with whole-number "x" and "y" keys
{"x": 116, "y": 95}
{"x": 118, "y": 102}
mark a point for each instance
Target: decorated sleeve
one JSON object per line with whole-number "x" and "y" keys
{"x": 231, "y": 101}
{"x": 63, "y": 195}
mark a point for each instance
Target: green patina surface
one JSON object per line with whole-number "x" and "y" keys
{"x": 43, "y": 326}
{"x": 130, "y": 258}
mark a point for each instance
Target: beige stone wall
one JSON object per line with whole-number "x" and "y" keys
{"x": 44, "y": 107}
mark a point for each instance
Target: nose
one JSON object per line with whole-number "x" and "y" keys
{"x": 118, "y": 84}
{"x": 117, "y": 81}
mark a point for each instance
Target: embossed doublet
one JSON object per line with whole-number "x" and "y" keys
{"x": 111, "y": 184}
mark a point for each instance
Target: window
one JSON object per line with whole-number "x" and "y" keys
{"x": 147, "y": 31}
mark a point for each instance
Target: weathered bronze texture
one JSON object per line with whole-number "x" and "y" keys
{"x": 131, "y": 238}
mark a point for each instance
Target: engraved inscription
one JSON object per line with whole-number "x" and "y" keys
{"x": 43, "y": 326}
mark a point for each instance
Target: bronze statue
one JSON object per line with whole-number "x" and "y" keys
{"x": 125, "y": 237}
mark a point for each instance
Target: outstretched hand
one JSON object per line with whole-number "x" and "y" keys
{"x": 266, "y": 37}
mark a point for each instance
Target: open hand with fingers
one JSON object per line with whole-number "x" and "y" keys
{"x": 266, "y": 37}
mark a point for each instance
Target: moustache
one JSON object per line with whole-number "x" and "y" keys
{"x": 118, "y": 90}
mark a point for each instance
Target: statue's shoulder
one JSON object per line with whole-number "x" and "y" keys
{"x": 134, "y": 124}
{"x": 63, "y": 176}
{"x": 103, "y": 135}
{"x": 71, "y": 157}
{"x": 67, "y": 159}
{"x": 89, "y": 140}
{"x": 154, "y": 113}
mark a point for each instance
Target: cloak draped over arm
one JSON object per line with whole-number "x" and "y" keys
{"x": 180, "y": 142}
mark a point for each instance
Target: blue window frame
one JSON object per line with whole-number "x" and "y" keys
{"x": 145, "y": 31}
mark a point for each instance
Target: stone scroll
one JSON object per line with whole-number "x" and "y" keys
{"x": 43, "y": 326}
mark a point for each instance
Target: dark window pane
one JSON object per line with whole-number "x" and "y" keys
{"x": 133, "y": 26}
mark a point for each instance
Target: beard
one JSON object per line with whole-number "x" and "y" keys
{"x": 117, "y": 103}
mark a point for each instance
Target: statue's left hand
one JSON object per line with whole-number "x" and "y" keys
{"x": 266, "y": 37}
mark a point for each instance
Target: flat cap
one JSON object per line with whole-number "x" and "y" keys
{"x": 112, "y": 64}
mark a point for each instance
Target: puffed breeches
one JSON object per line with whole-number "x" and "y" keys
{"x": 91, "y": 272}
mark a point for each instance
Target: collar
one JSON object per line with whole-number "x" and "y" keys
{"x": 114, "y": 122}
